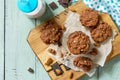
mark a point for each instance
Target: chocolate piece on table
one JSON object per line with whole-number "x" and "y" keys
{"x": 31, "y": 70}
{"x": 53, "y": 5}
{"x": 64, "y": 3}
{"x": 57, "y": 69}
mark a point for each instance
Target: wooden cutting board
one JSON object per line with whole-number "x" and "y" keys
{"x": 39, "y": 47}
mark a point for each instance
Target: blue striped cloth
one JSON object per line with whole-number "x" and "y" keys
{"x": 112, "y": 7}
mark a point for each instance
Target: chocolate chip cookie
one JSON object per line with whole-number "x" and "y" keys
{"x": 89, "y": 18}
{"x": 101, "y": 32}
{"x": 51, "y": 33}
{"x": 83, "y": 62}
{"x": 78, "y": 42}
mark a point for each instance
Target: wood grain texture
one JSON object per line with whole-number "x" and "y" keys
{"x": 19, "y": 57}
{"x": 39, "y": 47}
{"x": 2, "y": 40}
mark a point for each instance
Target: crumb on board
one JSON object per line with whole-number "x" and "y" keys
{"x": 52, "y": 51}
{"x": 49, "y": 61}
{"x": 71, "y": 75}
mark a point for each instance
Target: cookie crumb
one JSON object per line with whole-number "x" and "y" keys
{"x": 94, "y": 52}
{"x": 52, "y": 51}
{"x": 71, "y": 75}
{"x": 49, "y": 61}
{"x": 63, "y": 27}
{"x": 97, "y": 44}
{"x": 73, "y": 10}
{"x": 61, "y": 55}
{"x": 31, "y": 70}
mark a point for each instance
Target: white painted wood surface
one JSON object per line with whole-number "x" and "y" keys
{"x": 111, "y": 70}
{"x": 1, "y": 39}
{"x": 19, "y": 56}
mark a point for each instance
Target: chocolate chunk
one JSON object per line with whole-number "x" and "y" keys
{"x": 64, "y": 3}
{"x": 53, "y": 5}
{"x": 59, "y": 43}
{"x": 61, "y": 55}
{"x": 31, "y": 70}
{"x": 67, "y": 68}
{"x": 57, "y": 69}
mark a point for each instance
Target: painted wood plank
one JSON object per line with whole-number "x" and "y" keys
{"x": 2, "y": 40}
{"x": 111, "y": 70}
{"x": 48, "y": 14}
{"x": 19, "y": 56}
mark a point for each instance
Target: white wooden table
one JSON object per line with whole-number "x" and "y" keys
{"x": 16, "y": 56}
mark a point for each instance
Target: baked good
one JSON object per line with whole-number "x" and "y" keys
{"x": 101, "y": 32}
{"x": 89, "y": 18}
{"x": 51, "y": 33}
{"x": 83, "y": 62}
{"x": 94, "y": 52}
{"x": 78, "y": 42}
